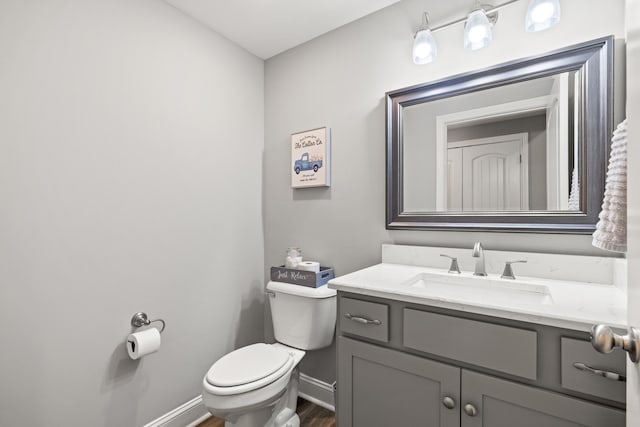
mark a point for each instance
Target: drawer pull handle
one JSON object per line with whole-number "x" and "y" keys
{"x": 362, "y": 320}
{"x": 606, "y": 374}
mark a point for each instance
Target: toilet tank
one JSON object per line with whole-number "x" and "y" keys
{"x": 303, "y": 317}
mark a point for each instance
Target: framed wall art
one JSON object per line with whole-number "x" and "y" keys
{"x": 311, "y": 158}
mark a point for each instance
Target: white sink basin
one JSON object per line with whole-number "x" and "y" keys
{"x": 478, "y": 289}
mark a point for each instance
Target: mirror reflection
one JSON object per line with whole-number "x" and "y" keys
{"x": 508, "y": 148}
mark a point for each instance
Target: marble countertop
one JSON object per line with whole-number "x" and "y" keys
{"x": 561, "y": 303}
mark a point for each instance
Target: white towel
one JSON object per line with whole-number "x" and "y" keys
{"x": 611, "y": 230}
{"x": 574, "y": 194}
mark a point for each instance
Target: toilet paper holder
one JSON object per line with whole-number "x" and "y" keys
{"x": 141, "y": 319}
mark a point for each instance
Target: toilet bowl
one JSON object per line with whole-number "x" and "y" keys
{"x": 257, "y": 385}
{"x": 250, "y": 378}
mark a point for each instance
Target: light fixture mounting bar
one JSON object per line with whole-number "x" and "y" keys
{"x": 461, "y": 20}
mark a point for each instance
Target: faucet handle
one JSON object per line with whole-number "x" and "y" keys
{"x": 508, "y": 271}
{"x": 453, "y": 268}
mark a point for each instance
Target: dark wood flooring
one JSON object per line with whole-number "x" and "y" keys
{"x": 310, "y": 416}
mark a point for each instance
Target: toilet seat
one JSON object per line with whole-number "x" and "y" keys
{"x": 248, "y": 368}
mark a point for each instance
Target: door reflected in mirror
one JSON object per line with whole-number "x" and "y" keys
{"x": 508, "y": 148}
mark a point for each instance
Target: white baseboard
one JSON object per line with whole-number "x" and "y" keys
{"x": 193, "y": 412}
{"x": 188, "y": 414}
{"x": 316, "y": 391}
{"x": 199, "y": 420}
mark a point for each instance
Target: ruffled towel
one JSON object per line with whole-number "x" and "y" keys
{"x": 574, "y": 194}
{"x": 611, "y": 230}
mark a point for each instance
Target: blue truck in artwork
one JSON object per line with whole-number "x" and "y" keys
{"x": 304, "y": 164}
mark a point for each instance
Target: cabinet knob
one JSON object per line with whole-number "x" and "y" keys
{"x": 470, "y": 410}
{"x": 449, "y": 402}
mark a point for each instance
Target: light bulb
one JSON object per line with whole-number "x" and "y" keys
{"x": 542, "y": 14}
{"x": 477, "y": 30}
{"x": 477, "y": 33}
{"x": 424, "y": 47}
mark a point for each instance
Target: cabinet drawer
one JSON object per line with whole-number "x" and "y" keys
{"x": 364, "y": 318}
{"x": 501, "y": 348}
{"x": 584, "y": 381}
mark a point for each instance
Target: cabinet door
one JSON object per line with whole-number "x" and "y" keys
{"x": 379, "y": 387}
{"x": 500, "y": 403}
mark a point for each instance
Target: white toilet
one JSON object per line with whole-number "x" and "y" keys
{"x": 257, "y": 385}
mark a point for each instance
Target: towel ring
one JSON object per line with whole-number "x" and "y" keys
{"x": 141, "y": 319}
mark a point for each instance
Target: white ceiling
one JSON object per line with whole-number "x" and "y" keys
{"x": 268, "y": 27}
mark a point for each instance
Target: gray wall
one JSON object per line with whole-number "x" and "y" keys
{"x": 122, "y": 127}
{"x": 339, "y": 80}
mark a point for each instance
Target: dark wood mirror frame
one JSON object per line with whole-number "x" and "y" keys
{"x": 595, "y": 58}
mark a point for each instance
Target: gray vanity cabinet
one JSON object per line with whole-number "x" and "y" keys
{"x": 384, "y": 387}
{"x": 406, "y": 365}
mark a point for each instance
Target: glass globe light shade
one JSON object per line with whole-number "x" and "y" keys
{"x": 424, "y": 47}
{"x": 477, "y": 30}
{"x": 542, "y": 14}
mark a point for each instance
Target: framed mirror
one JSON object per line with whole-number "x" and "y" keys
{"x": 521, "y": 146}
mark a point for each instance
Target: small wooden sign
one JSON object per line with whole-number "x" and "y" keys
{"x": 311, "y": 158}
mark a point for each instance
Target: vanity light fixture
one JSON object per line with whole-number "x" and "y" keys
{"x": 425, "y": 48}
{"x": 542, "y": 14}
{"x": 478, "y": 26}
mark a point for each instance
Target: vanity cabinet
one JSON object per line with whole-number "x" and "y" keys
{"x": 402, "y": 364}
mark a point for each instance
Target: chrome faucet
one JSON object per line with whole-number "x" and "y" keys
{"x": 479, "y": 254}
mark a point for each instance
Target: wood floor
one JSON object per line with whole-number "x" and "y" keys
{"x": 310, "y": 416}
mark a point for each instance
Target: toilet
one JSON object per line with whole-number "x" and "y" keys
{"x": 257, "y": 385}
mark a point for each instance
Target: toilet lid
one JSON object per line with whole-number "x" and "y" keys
{"x": 246, "y": 365}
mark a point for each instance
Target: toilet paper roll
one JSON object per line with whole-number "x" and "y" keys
{"x": 309, "y": 266}
{"x": 142, "y": 343}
